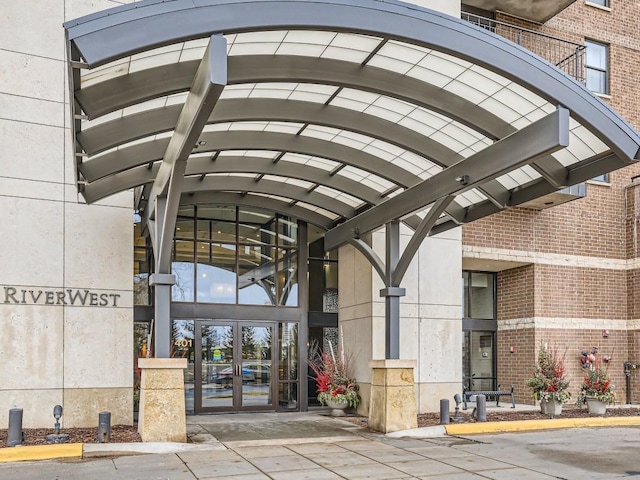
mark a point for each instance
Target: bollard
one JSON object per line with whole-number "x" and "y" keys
{"x": 444, "y": 411}
{"x": 481, "y": 405}
{"x": 14, "y": 436}
{"x": 104, "y": 427}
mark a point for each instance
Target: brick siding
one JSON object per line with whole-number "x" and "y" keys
{"x": 604, "y": 225}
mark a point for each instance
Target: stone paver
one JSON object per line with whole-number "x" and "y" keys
{"x": 373, "y": 471}
{"x": 574, "y": 454}
{"x": 419, "y": 468}
{"x": 340, "y": 459}
{"x": 285, "y": 463}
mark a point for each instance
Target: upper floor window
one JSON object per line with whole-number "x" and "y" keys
{"x": 479, "y": 295}
{"x": 597, "y": 66}
{"x": 602, "y": 3}
{"x": 601, "y": 178}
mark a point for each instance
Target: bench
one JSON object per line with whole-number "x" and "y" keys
{"x": 467, "y": 394}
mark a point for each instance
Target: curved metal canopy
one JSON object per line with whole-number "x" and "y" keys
{"x": 334, "y": 111}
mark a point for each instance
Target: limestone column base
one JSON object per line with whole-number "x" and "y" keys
{"x": 393, "y": 404}
{"x": 162, "y": 416}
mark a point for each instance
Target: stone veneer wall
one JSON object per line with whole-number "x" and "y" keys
{"x": 76, "y": 356}
{"x": 430, "y": 323}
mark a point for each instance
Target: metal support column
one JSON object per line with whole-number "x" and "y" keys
{"x": 162, "y": 284}
{"x": 161, "y": 281}
{"x": 392, "y": 293}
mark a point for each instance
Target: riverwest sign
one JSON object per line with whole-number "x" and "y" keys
{"x": 67, "y": 296}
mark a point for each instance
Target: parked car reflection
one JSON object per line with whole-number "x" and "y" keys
{"x": 251, "y": 373}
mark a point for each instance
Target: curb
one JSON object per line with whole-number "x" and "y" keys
{"x": 115, "y": 449}
{"x": 533, "y": 425}
{"x": 40, "y": 452}
{"x": 424, "y": 432}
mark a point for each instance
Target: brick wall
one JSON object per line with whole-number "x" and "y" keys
{"x": 535, "y": 292}
{"x": 515, "y": 368}
{"x": 604, "y": 226}
{"x": 516, "y": 293}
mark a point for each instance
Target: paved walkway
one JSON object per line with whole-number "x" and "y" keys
{"x": 312, "y": 446}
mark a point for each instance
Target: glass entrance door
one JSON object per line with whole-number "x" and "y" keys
{"x": 234, "y": 363}
{"x": 478, "y": 360}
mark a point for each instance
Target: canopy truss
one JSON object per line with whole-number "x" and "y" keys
{"x": 349, "y": 114}
{"x": 333, "y": 107}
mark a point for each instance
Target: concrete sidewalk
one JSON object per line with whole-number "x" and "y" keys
{"x": 208, "y": 433}
{"x": 567, "y": 454}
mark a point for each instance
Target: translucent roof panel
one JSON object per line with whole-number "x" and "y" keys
{"x": 405, "y": 101}
{"x": 339, "y": 46}
{"x": 316, "y": 162}
{"x": 520, "y": 176}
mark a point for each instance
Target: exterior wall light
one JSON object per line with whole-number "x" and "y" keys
{"x": 57, "y": 437}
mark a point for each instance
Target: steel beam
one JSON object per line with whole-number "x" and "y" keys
{"x": 540, "y": 138}
{"x": 264, "y": 166}
{"x": 375, "y": 261}
{"x": 133, "y": 29}
{"x": 207, "y": 86}
{"x": 258, "y": 201}
{"x": 144, "y": 153}
{"x": 125, "y": 129}
{"x": 151, "y": 122}
{"x": 120, "y": 92}
{"x": 268, "y": 187}
{"x": 418, "y": 236}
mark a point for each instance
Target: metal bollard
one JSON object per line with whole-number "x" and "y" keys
{"x": 14, "y": 436}
{"x": 104, "y": 427}
{"x": 444, "y": 411}
{"x": 481, "y": 405}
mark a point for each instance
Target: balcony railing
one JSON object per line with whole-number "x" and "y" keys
{"x": 567, "y": 56}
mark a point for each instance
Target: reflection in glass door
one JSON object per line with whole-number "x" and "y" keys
{"x": 255, "y": 364}
{"x": 478, "y": 363}
{"x": 235, "y": 362}
{"x": 216, "y": 370}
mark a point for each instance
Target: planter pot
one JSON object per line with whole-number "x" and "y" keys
{"x": 337, "y": 406}
{"x": 596, "y": 407}
{"x": 551, "y": 407}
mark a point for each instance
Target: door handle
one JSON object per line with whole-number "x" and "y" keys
{"x": 237, "y": 370}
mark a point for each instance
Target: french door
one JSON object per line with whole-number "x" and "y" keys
{"x": 234, "y": 362}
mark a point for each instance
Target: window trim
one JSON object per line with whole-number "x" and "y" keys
{"x": 606, "y": 70}
{"x": 606, "y": 6}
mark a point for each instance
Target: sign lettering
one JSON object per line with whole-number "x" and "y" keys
{"x": 68, "y": 296}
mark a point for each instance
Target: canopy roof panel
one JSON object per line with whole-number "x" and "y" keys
{"x": 328, "y": 109}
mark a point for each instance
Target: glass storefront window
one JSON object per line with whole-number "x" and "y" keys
{"x": 182, "y": 268}
{"x": 184, "y": 228}
{"x": 478, "y": 360}
{"x": 482, "y": 295}
{"x": 182, "y": 346}
{"x": 217, "y": 223}
{"x": 288, "y": 396}
{"x": 287, "y": 232}
{"x": 256, "y": 227}
{"x": 141, "y": 267}
{"x": 288, "y": 366}
{"x": 235, "y": 256}
{"x": 479, "y": 295}
{"x": 140, "y": 276}
{"x": 288, "y": 347}
{"x": 330, "y": 291}
{"x": 256, "y": 275}
{"x": 216, "y": 272}
{"x": 288, "y": 277}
